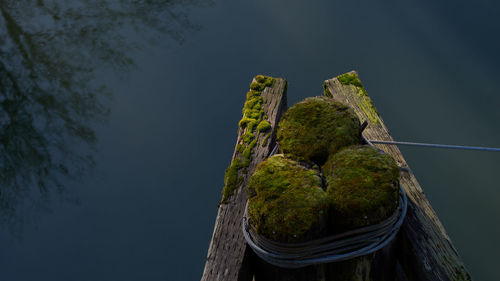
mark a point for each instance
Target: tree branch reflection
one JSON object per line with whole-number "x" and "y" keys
{"x": 49, "y": 51}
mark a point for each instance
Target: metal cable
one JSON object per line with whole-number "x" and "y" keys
{"x": 435, "y": 145}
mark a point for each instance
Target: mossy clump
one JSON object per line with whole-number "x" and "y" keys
{"x": 244, "y": 121}
{"x": 231, "y": 178}
{"x": 247, "y": 153}
{"x": 286, "y": 201}
{"x": 366, "y": 103}
{"x": 350, "y": 79}
{"x": 266, "y": 138}
{"x": 261, "y": 82}
{"x": 263, "y": 126}
{"x": 253, "y": 106}
{"x": 265, "y": 80}
{"x": 363, "y": 186}
{"x": 317, "y": 127}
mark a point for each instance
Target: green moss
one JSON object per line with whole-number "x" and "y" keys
{"x": 244, "y": 121}
{"x": 286, "y": 201}
{"x": 265, "y": 80}
{"x": 317, "y": 127}
{"x": 367, "y": 106}
{"x": 363, "y": 186}
{"x": 253, "y": 102}
{"x": 261, "y": 82}
{"x": 350, "y": 79}
{"x": 250, "y": 122}
{"x": 264, "y": 142}
{"x": 253, "y": 107}
{"x": 248, "y": 137}
{"x": 461, "y": 274}
{"x": 247, "y": 153}
{"x": 253, "y": 94}
{"x": 366, "y": 103}
{"x": 263, "y": 126}
{"x": 326, "y": 91}
{"x": 231, "y": 179}
{"x": 260, "y": 78}
{"x": 256, "y": 86}
{"x": 240, "y": 148}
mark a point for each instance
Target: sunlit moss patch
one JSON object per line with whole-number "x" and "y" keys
{"x": 254, "y": 124}
{"x": 263, "y": 126}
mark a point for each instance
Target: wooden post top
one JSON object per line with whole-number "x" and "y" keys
{"x": 426, "y": 252}
{"x": 229, "y": 257}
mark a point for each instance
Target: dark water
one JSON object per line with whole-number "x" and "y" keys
{"x": 118, "y": 118}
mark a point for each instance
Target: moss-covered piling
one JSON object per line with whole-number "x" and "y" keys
{"x": 363, "y": 185}
{"x": 292, "y": 199}
{"x": 361, "y": 182}
{"x": 416, "y": 255}
{"x": 317, "y": 127}
{"x": 287, "y": 202}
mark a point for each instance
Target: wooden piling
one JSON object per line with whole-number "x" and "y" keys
{"x": 229, "y": 257}
{"x": 423, "y": 249}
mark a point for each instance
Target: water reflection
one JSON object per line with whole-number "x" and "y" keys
{"x": 49, "y": 52}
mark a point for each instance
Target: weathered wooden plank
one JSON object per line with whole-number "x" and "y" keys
{"x": 425, "y": 250}
{"x": 228, "y": 254}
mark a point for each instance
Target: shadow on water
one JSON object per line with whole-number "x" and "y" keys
{"x": 49, "y": 53}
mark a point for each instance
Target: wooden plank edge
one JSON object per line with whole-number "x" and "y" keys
{"x": 229, "y": 257}
{"x": 426, "y": 252}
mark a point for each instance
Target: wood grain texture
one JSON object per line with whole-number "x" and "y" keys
{"x": 228, "y": 257}
{"x": 424, "y": 250}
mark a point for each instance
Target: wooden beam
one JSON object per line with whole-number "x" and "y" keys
{"x": 425, "y": 250}
{"x": 228, "y": 257}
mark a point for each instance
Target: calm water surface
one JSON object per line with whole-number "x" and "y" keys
{"x": 118, "y": 119}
